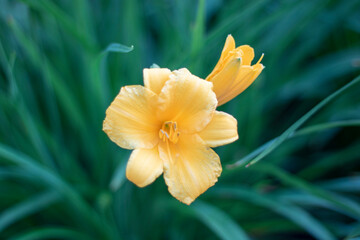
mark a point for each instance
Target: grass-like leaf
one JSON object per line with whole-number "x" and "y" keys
{"x": 119, "y": 48}
{"x": 27, "y": 207}
{"x": 292, "y": 212}
{"x": 350, "y": 207}
{"x": 266, "y": 149}
{"x": 218, "y": 221}
{"x": 52, "y": 233}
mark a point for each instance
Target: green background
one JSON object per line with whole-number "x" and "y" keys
{"x": 61, "y": 65}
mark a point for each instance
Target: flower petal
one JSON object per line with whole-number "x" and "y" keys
{"x": 144, "y": 166}
{"x": 155, "y": 78}
{"x": 220, "y": 131}
{"x": 245, "y": 78}
{"x": 228, "y": 46}
{"x": 130, "y": 120}
{"x": 190, "y": 167}
{"x": 247, "y": 54}
{"x": 225, "y": 78}
{"x": 187, "y": 100}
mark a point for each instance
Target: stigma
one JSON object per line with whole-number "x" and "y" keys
{"x": 169, "y": 131}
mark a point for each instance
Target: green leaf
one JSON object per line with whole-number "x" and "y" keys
{"x": 309, "y": 200}
{"x": 65, "y": 95}
{"x": 64, "y": 20}
{"x": 99, "y": 70}
{"x": 26, "y": 208}
{"x": 268, "y": 147}
{"x": 218, "y": 221}
{"x": 355, "y": 234}
{"x": 119, "y": 174}
{"x": 347, "y": 184}
{"x": 52, "y": 233}
{"x": 119, "y": 48}
{"x": 230, "y": 23}
{"x": 301, "y": 132}
{"x": 326, "y": 126}
{"x": 80, "y": 206}
{"x": 351, "y": 208}
{"x": 199, "y": 28}
{"x": 289, "y": 211}
{"x": 154, "y": 65}
{"x": 330, "y": 162}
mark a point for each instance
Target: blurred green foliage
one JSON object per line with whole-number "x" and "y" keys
{"x": 62, "y": 63}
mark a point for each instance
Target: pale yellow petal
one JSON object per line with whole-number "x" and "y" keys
{"x": 220, "y": 131}
{"x": 228, "y": 47}
{"x": 144, "y": 166}
{"x": 229, "y": 81}
{"x": 190, "y": 167}
{"x": 247, "y": 54}
{"x": 155, "y": 78}
{"x": 246, "y": 77}
{"x": 130, "y": 119}
{"x": 187, "y": 100}
{"x": 225, "y": 78}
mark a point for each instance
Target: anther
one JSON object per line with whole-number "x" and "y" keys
{"x": 169, "y": 131}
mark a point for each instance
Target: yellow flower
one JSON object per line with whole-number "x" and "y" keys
{"x": 171, "y": 123}
{"x": 233, "y": 73}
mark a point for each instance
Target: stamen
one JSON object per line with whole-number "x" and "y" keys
{"x": 262, "y": 55}
{"x": 169, "y": 152}
{"x": 169, "y": 131}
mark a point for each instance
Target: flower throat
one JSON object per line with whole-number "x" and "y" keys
{"x": 169, "y": 131}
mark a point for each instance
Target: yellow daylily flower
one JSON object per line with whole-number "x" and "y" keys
{"x": 171, "y": 123}
{"x": 233, "y": 73}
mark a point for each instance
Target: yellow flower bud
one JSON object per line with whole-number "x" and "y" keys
{"x": 233, "y": 73}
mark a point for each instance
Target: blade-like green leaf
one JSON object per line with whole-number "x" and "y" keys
{"x": 350, "y": 207}
{"x": 346, "y": 184}
{"x": 52, "y": 233}
{"x": 292, "y": 212}
{"x": 55, "y": 182}
{"x": 301, "y": 132}
{"x": 355, "y": 234}
{"x": 66, "y": 22}
{"x": 218, "y": 221}
{"x": 266, "y": 149}
{"x": 119, "y": 48}
{"x": 154, "y": 65}
{"x": 119, "y": 174}
{"x": 199, "y": 28}
{"x": 26, "y": 208}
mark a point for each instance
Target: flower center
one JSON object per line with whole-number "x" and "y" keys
{"x": 169, "y": 131}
